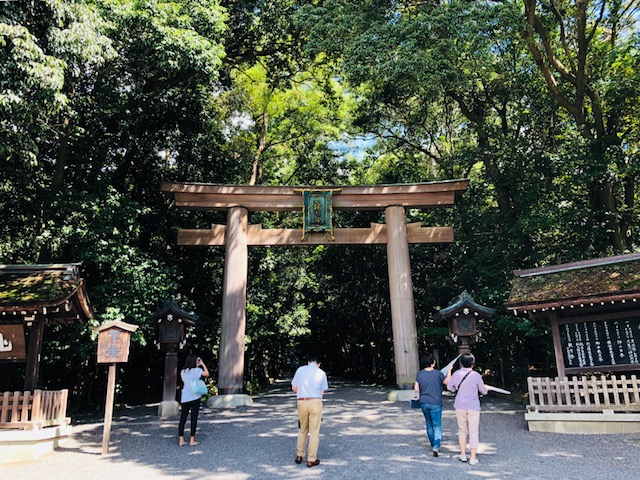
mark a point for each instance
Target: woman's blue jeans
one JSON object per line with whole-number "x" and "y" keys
{"x": 433, "y": 418}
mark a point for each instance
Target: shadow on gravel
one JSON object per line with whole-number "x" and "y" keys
{"x": 363, "y": 436}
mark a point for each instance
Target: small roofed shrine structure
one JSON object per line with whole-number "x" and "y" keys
{"x": 593, "y": 309}
{"x": 171, "y": 323}
{"x": 462, "y": 315}
{"x": 34, "y": 422}
{"x": 34, "y": 296}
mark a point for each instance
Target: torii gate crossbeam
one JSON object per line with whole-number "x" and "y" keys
{"x": 237, "y": 235}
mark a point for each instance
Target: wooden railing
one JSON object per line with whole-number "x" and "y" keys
{"x": 584, "y": 394}
{"x": 35, "y": 410}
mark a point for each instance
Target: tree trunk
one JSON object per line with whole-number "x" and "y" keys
{"x": 45, "y": 254}
{"x": 608, "y": 203}
{"x": 262, "y": 145}
{"x": 591, "y": 121}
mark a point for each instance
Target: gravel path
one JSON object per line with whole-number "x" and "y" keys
{"x": 362, "y": 437}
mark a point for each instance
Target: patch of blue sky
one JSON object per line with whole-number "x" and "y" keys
{"x": 353, "y": 146}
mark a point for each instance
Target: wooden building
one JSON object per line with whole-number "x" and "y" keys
{"x": 32, "y": 297}
{"x": 593, "y": 308}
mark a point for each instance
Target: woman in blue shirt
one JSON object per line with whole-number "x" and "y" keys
{"x": 428, "y": 385}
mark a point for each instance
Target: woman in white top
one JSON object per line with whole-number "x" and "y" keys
{"x": 194, "y": 369}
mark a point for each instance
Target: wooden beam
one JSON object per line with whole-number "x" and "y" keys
{"x": 32, "y": 369}
{"x": 264, "y": 198}
{"x": 257, "y": 236}
{"x": 557, "y": 345}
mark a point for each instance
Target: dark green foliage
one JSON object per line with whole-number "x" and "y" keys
{"x": 101, "y": 100}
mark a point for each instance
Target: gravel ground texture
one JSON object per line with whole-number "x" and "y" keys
{"x": 363, "y": 436}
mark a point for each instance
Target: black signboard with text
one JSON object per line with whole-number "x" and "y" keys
{"x": 612, "y": 342}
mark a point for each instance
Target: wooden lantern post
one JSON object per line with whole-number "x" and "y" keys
{"x": 170, "y": 323}
{"x": 113, "y": 347}
{"x": 462, "y": 315}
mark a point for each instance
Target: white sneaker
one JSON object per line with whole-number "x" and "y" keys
{"x": 473, "y": 461}
{"x": 462, "y": 457}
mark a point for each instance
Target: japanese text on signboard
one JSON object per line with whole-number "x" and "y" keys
{"x": 594, "y": 344}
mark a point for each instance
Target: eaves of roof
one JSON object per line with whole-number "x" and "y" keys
{"x": 44, "y": 289}
{"x": 462, "y": 301}
{"x": 595, "y": 282}
{"x": 171, "y": 307}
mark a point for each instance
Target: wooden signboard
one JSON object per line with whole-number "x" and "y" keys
{"x": 610, "y": 343}
{"x": 12, "y": 344}
{"x": 113, "y": 346}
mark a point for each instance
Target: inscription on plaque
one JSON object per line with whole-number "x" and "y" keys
{"x": 113, "y": 346}
{"x": 12, "y": 344}
{"x": 601, "y": 343}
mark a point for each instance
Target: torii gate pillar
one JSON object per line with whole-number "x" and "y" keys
{"x": 403, "y": 316}
{"x": 234, "y": 303}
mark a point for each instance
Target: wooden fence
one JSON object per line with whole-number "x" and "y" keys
{"x": 584, "y": 394}
{"x": 26, "y": 410}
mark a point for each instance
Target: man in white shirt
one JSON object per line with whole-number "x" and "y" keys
{"x": 309, "y": 383}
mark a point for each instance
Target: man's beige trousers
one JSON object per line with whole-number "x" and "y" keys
{"x": 310, "y": 415}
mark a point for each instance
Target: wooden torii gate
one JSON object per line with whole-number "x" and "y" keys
{"x": 237, "y": 235}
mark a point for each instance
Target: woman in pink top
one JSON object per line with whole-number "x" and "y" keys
{"x": 468, "y": 386}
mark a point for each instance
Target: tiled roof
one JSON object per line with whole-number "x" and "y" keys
{"x": 603, "y": 280}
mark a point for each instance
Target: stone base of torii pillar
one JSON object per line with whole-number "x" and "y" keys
{"x": 168, "y": 409}
{"x": 229, "y": 400}
{"x": 400, "y": 395}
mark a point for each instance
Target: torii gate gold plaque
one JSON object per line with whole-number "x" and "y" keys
{"x": 238, "y": 235}
{"x": 317, "y": 211}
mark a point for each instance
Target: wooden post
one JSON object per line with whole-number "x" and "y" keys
{"x": 234, "y": 303}
{"x": 463, "y": 345}
{"x": 557, "y": 346}
{"x": 403, "y": 317}
{"x": 170, "y": 377}
{"x": 113, "y": 347}
{"x": 32, "y": 367}
{"x": 108, "y": 408}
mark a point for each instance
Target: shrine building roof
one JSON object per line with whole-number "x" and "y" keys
{"x": 610, "y": 282}
{"x": 54, "y": 291}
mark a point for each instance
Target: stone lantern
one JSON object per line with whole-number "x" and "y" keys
{"x": 170, "y": 322}
{"x": 462, "y": 315}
